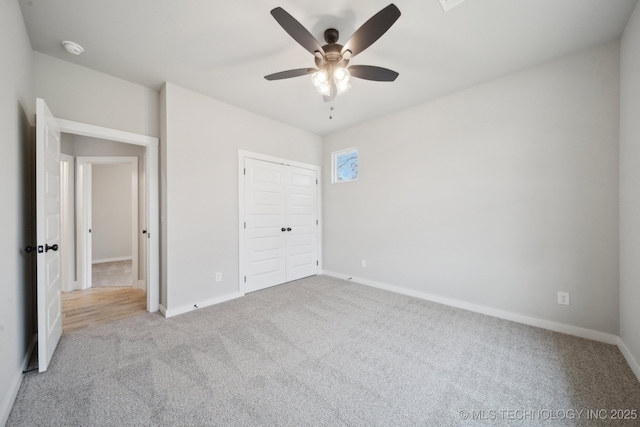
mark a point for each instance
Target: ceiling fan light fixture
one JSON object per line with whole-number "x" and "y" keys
{"x": 324, "y": 89}
{"x": 341, "y": 77}
{"x": 320, "y": 80}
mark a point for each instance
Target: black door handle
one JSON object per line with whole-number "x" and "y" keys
{"x": 288, "y": 228}
{"x": 53, "y": 248}
{"x": 30, "y": 249}
{"x": 283, "y": 229}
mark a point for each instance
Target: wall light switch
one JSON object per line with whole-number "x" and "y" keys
{"x": 363, "y": 263}
{"x": 218, "y": 277}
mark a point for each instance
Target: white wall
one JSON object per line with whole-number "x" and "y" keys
{"x": 500, "y": 195}
{"x": 111, "y": 211}
{"x": 77, "y": 93}
{"x": 630, "y": 188}
{"x": 200, "y": 163}
{"x": 17, "y": 294}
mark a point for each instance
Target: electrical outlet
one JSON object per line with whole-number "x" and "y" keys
{"x": 563, "y": 298}
{"x": 218, "y": 277}
{"x": 363, "y": 263}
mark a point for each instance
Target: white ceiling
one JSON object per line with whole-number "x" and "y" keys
{"x": 223, "y": 50}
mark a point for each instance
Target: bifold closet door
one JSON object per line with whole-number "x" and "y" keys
{"x": 281, "y": 236}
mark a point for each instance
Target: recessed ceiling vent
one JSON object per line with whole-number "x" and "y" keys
{"x": 447, "y": 5}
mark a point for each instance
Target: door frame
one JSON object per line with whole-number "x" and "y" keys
{"x": 84, "y": 215}
{"x": 152, "y": 206}
{"x": 67, "y": 214}
{"x": 242, "y": 155}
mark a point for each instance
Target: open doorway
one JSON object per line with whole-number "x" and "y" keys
{"x": 104, "y": 268}
{"x": 107, "y": 223}
{"x": 114, "y": 220}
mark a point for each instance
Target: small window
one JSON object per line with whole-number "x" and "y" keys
{"x": 344, "y": 165}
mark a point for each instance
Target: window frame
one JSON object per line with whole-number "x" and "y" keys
{"x": 335, "y": 168}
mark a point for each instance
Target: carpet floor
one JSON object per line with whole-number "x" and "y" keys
{"x": 326, "y": 352}
{"x": 115, "y": 273}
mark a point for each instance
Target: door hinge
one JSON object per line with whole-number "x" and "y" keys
{"x": 316, "y": 222}
{"x": 316, "y": 182}
{"x": 245, "y": 225}
{"x": 245, "y": 171}
{"x": 317, "y": 262}
{"x": 245, "y": 279}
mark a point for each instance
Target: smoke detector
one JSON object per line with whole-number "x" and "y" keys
{"x": 447, "y": 5}
{"x": 72, "y": 48}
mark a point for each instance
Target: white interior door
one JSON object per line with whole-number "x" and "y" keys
{"x": 265, "y": 240}
{"x": 301, "y": 220}
{"x": 48, "y": 233}
{"x": 281, "y": 230}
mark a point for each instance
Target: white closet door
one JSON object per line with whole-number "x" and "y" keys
{"x": 265, "y": 242}
{"x": 281, "y": 233}
{"x": 302, "y": 229}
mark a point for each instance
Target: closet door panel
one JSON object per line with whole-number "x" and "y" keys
{"x": 301, "y": 216}
{"x": 265, "y": 242}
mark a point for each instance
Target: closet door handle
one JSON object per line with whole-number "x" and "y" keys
{"x": 48, "y": 248}
{"x": 288, "y": 228}
{"x": 283, "y": 229}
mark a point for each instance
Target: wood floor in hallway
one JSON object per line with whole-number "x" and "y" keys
{"x": 96, "y": 306}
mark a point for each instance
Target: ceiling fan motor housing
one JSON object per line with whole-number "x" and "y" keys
{"x": 332, "y": 56}
{"x": 331, "y": 35}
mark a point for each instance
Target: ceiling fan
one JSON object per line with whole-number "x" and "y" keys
{"x": 332, "y": 75}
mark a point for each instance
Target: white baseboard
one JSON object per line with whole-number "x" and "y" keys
{"x": 14, "y": 385}
{"x": 140, "y": 284}
{"x": 633, "y": 363}
{"x": 73, "y": 286}
{"x": 501, "y": 314}
{"x": 102, "y": 261}
{"x": 162, "y": 309}
{"x": 201, "y": 304}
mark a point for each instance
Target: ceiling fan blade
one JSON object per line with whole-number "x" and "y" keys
{"x": 297, "y": 31}
{"x": 290, "y": 73}
{"x": 370, "y": 72}
{"x": 372, "y": 30}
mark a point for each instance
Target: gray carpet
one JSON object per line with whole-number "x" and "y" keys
{"x": 115, "y": 273}
{"x": 326, "y": 352}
